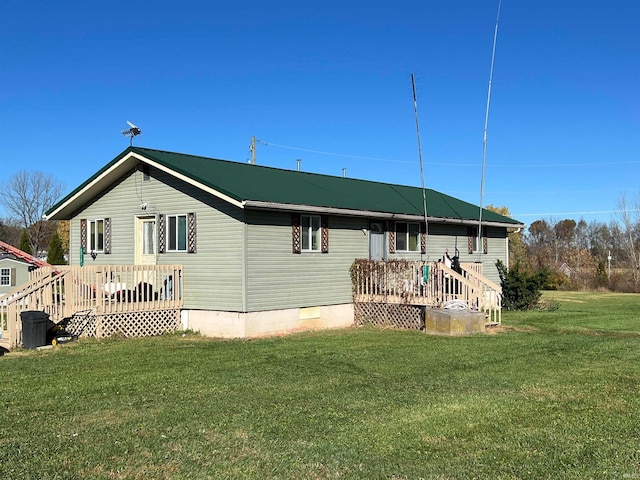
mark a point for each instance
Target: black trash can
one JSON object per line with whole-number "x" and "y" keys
{"x": 34, "y": 328}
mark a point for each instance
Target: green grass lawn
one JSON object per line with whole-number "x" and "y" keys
{"x": 551, "y": 395}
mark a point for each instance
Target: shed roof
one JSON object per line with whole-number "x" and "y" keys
{"x": 20, "y": 255}
{"x": 255, "y": 186}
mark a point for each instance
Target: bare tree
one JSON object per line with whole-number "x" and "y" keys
{"x": 629, "y": 236}
{"x": 27, "y": 195}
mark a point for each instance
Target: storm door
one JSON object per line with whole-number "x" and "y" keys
{"x": 146, "y": 248}
{"x": 377, "y": 241}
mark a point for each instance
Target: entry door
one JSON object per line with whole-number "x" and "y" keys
{"x": 146, "y": 240}
{"x": 376, "y": 241}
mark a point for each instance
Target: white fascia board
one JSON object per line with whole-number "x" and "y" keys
{"x": 90, "y": 185}
{"x": 188, "y": 180}
{"x": 364, "y": 213}
{"x": 129, "y": 159}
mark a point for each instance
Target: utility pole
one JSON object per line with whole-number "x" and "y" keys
{"x": 609, "y": 266}
{"x": 252, "y": 149}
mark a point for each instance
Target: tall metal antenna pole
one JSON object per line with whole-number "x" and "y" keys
{"x": 424, "y": 194}
{"x": 486, "y": 125}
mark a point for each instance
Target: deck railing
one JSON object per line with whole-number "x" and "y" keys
{"x": 61, "y": 291}
{"x": 426, "y": 283}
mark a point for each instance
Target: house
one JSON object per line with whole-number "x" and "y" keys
{"x": 263, "y": 250}
{"x": 15, "y": 266}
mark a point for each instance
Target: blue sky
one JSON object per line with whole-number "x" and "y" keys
{"x": 203, "y": 77}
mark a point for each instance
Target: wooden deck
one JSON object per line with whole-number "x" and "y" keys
{"x": 125, "y": 299}
{"x": 430, "y": 284}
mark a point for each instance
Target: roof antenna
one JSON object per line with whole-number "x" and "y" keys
{"x": 131, "y": 132}
{"x": 424, "y": 194}
{"x": 480, "y": 246}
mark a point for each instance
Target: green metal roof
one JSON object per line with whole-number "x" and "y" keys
{"x": 244, "y": 182}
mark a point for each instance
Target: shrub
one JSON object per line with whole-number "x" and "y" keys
{"x": 520, "y": 289}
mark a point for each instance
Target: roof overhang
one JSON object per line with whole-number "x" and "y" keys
{"x": 369, "y": 214}
{"x": 101, "y": 181}
{"x": 129, "y": 160}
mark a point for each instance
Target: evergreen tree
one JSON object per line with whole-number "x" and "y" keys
{"x": 25, "y": 244}
{"x": 520, "y": 290}
{"x": 55, "y": 255}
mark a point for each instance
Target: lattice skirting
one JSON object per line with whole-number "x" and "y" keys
{"x": 410, "y": 317}
{"x": 126, "y": 324}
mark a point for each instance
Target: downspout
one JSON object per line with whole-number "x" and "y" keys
{"x": 245, "y": 249}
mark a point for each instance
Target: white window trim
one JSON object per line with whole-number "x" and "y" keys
{"x": 93, "y": 238}
{"x": 310, "y": 233}
{"x": 407, "y": 237}
{"x": 5, "y": 273}
{"x": 477, "y": 243}
{"x": 168, "y": 233}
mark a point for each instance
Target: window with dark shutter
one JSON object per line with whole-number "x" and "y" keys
{"x": 472, "y": 240}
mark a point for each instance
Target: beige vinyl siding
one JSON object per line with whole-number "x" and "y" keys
{"x": 447, "y": 236}
{"x": 278, "y": 278}
{"x": 213, "y": 277}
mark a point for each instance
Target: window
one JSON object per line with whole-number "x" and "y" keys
{"x": 176, "y": 233}
{"x": 474, "y": 245}
{"x": 407, "y": 237}
{"x": 311, "y": 233}
{"x": 5, "y": 276}
{"x": 96, "y": 235}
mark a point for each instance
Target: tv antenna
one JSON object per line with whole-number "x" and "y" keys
{"x": 131, "y": 132}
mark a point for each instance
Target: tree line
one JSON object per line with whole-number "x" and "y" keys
{"x": 582, "y": 255}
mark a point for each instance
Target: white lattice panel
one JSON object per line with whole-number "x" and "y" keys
{"x": 409, "y": 317}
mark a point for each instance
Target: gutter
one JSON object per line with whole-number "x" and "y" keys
{"x": 260, "y": 205}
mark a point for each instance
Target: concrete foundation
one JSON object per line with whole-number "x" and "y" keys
{"x": 268, "y": 323}
{"x": 454, "y": 322}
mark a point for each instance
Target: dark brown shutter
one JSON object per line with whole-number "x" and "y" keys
{"x": 423, "y": 238}
{"x": 469, "y": 239}
{"x": 485, "y": 241}
{"x": 391, "y": 232}
{"x": 12, "y": 274}
{"x": 296, "y": 233}
{"x": 324, "y": 221}
{"x": 107, "y": 236}
{"x": 191, "y": 232}
{"x": 83, "y": 233}
{"x": 162, "y": 221}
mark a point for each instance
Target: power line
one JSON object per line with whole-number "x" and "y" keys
{"x": 596, "y": 212}
{"x": 336, "y": 154}
{"x": 450, "y": 164}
